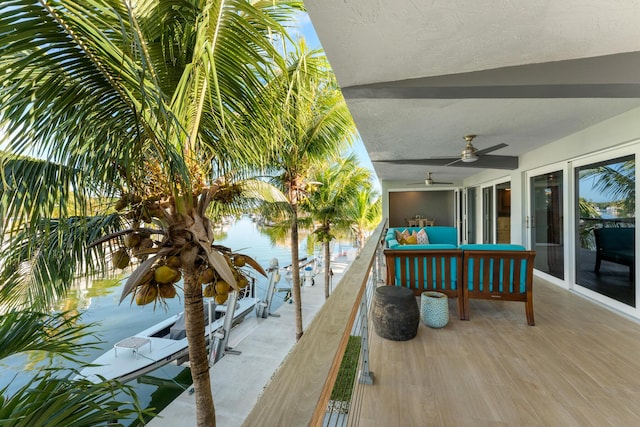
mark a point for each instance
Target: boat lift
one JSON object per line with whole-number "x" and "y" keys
{"x": 263, "y": 309}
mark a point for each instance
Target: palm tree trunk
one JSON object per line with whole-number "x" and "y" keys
{"x": 295, "y": 271}
{"x": 198, "y": 357}
{"x": 360, "y": 240}
{"x": 327, "y": 268}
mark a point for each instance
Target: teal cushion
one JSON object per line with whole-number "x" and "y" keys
{"x": 441, "y": 234}
{"x": 437, "y": 234}
{"x": 420, "y": 264}
{"x": 393, "y": 244}
{"x": 398, "y": 246}
{"x": 520, "y": 282}
{"x": 492, "y": 247}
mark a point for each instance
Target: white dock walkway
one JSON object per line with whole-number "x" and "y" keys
{"x": 238, "y": 380}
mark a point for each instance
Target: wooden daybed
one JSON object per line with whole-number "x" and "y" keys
{"x": 489, "y": 272}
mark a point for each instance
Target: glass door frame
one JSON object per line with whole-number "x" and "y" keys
{"x": 571, "y": 259}
{"x": 472, "y": 205}
{"x": 494, "y": 206}
{"x": 567, "y": 213}
{"x": 488, "y": 214}
{"x": 460, "y": 206}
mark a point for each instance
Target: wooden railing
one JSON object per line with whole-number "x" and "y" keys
{"x": 300, "y": 390}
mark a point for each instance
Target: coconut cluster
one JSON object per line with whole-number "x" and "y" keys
{"x": 181, "y": 233}
{"x": 215, "y": 286}
{"x": 135, "y": 243}
{"x": 159, "y": 282}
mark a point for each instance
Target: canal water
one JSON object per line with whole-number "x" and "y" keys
{"x": 98, "y": 302}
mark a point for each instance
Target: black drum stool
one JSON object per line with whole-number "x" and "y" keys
{"x": 395, "y": 313}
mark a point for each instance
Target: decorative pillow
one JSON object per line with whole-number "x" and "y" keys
{"x": 423, "y": 238}
{"x": 401, "y": 236}
{"x": 410, "y": 240}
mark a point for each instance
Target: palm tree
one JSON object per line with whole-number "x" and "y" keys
{"x": 337, "y": 188}
{"x": 146, "y": 105}
{"x": 309, "y": 123}
{"x": 364, "y": 213}
{"x": 51, "y": 396}
{"x": 616, "y": 180}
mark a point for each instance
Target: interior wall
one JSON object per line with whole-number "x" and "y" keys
{"x": 436, "y": 205}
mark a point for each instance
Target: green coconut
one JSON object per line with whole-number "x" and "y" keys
{"x": 221, "y": 298}
{"x": 206, "y": 276}
{"x": 167, "y": 291}
{"x": 132, "y": 240}
{"x": 242, "y": 281}
{"x": 222, "y": 287}
{"x": 146, "y": 294}
{"x": 166, "y": 275}
{"x": 174, "y": 261}
{"x": 120, "y": 258}
{"x": 209, "y": 291}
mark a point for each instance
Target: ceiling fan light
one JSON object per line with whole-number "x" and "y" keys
{"x": 468, "y": 155}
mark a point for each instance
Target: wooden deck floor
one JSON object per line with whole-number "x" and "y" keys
{"x": 579, "y": 366}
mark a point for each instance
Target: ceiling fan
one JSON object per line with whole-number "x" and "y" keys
{"x": 429, "y": 181}
{"x": 469, "y": 157}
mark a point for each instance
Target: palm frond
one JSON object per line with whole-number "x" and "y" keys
{"x": 40, "y": 263}
{"x": 48, "y": 400}
{"x": 57, "y": 333}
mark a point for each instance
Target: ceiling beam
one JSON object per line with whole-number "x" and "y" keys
{"x": 384, "y": 91}
{"x": 609, "y": 76}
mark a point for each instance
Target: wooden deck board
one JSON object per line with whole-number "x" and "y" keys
{"x": 577, "y": 366}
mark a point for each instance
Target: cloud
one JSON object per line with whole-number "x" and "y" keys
{"x": 302, "y": 19}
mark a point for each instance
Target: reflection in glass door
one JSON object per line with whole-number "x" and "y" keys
{"x": 503, "y": 212}
{"x": 605, "y": 228}
{"x": 546, "y": 222}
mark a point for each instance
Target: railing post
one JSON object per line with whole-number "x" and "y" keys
{"x": 379, "y": 263}
{"x": 366, "y": 376}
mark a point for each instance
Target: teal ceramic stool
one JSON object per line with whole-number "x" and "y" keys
{"x": 434, "y": 309}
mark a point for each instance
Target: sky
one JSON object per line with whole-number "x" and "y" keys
{"x": 305, "y": 29}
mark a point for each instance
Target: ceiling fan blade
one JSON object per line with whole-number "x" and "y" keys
{"x": 490, "y": 162}
{"x": 458, "y": 160}
{"x": 442, "y": 183}
{"x": 428, "y": 162}
{"x": 484, "y": 161}
{"x": 490, "y": 149}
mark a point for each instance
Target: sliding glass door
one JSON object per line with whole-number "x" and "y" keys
{"x": 545, "y": 221}
{"x": 605, "y": 228}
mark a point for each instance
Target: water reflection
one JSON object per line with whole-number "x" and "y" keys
{"x": 98, "y": 300}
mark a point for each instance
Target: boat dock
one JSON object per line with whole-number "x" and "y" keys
{"x": 238, "y": 380}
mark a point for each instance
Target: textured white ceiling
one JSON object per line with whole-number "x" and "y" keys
{"x": 420, "y": 75}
